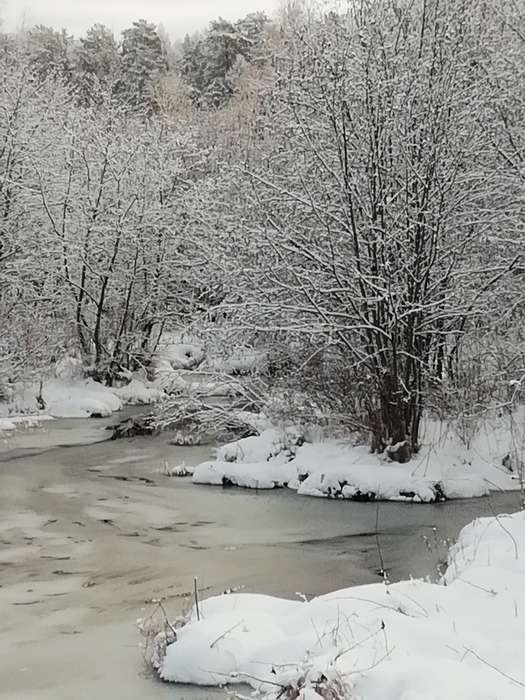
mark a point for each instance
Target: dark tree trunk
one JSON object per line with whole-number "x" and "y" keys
{"x": 395, "y": 419}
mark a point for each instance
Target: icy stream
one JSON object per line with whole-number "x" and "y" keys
{"x": 90, "y": 531}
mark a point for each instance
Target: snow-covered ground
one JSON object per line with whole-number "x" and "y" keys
{"x": 63, "y": 398}
{"x": 458, "y": 639}
{"x": 67, "y": 393}
{"x": 444, "y": 467}
{"x": 173, "y": 353}
{"x": 14, "y": 422}
{"x": 175, "y": 369}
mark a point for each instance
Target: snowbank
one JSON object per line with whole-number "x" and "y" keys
{"x": 443, "y": 469}
{"x": 64, "y": 398}
{"x": 254, "y": 475}
{"x": 408, "y": 640}
{"x": 190, "y": 382}
{"x": 352, "y": 472}
{"x": 271, "y": 444}
{"x": 14, "y": 422}
{"x": 176, "y": 354}
{"x": 137, "y": 393}
{"x": 79, "y": 399}
{"x": 259, "y": 462}
{"x": 69, "y": 394}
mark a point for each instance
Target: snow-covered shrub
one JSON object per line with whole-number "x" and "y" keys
{"x": 269, "y": 445}
{"x": 178, "y": 355}
{"x": 236, "y": 359}
{"x": 69, "y": 368}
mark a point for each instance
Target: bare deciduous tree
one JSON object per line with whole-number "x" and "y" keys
{"x": 379, "y": 195}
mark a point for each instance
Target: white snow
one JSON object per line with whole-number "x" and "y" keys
{"x": 138, "y": 393}
{"x": 71, "y": 395}
{"x": 443, "y": 468}
{"x": 461, "y": 638}
{"x": 64, "y": 398}
{"x": 258, "y": 421}
{"x": 326, "y": 469}
{"x": 69, "y": 368}
{"x": 79, "y": 399}
{"x": 192, "y": 382}
{"x": 258, "y": 462}
{"x": 253, "y": 475}
{"x": 270, "y": 444}
{"x": 240, "y": 360}
{"x": 14, "y": 422}
{"x": 169, "y": 380}
{"x": 178, "y": 355}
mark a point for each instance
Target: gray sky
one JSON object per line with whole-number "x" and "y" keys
{"x": 177, "y": 16}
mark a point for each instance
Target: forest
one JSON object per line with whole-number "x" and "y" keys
{"x": 341, "y": 190}
{"x": 283, "y": 257}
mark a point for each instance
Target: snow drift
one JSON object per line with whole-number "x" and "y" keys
{"x": 443, "y": 469}
{"x": 461, "y": 638}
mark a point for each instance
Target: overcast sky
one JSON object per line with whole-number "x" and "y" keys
{"x": 177, "y": 16}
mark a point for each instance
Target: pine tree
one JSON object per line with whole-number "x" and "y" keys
{"x": 143, "y": 63}
{"x": 209, "y": 62}
{"x": 49, "y": 52}
{"x": 97, "y": 63}
{"x": 191, "y": 64}
{"x": 251, "y": 31}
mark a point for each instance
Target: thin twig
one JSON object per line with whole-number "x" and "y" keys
{"x": 494, "y": 668}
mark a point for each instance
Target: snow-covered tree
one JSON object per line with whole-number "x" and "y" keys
{"x": 116, "y": 196}
{"x": 209, "y": 61}
{"x": 50, "y": 52}
{"x": 96, "y": 63}
{"x": 379, "y": 196}
{"x": 143, "y": 63}
{"x": 27, "y": 295}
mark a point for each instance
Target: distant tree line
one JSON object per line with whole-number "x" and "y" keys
{"x": 138, "y": 66}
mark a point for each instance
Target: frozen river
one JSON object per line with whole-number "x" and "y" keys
{"x": 91, "y": 530}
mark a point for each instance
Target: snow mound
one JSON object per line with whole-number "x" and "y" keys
{"x": 258, "y": 475}
{"x": 180, "y": 355}
{"x": 340, "y": 471}
{"x": 71, "y": 396}
{"x": 270, "y": 444}
{"x": 63, "y": 398}
{"x": 213, "y": 388}
{"x": 79, "y": 399}
{"x": 444, "y": 470}
{"x": 136, "y": 393}
{"x": 14, "y": 422}
{"x": 169, "y": 380}
{"x": 258, "y": 421}
{"x": 408, "y": 640}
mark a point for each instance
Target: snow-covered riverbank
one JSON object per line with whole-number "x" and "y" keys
{"x": 461, "y": 638}
{"x": 454, "y": 461}
{"x": 66, "y": 390}
{"x": 444, "y": 468}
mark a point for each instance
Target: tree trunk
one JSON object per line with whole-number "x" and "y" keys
{"x": 394, "y": 422}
